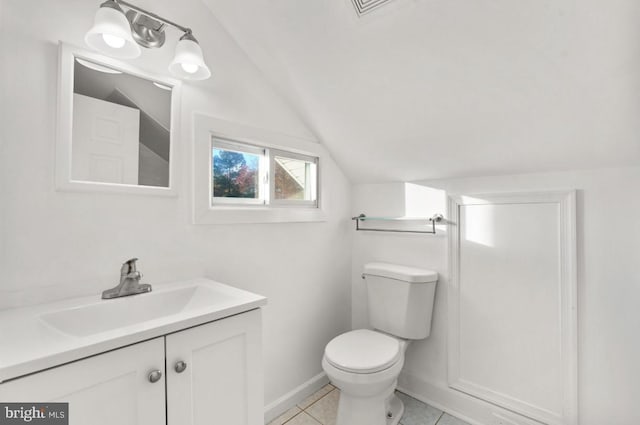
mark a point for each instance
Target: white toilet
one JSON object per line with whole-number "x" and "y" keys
{"x": 365, "y": 364}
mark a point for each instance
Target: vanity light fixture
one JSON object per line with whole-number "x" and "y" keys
{"x": 111, "y": 33}
{"x": 120, "y": 35}
{"x": 188, "y": 62}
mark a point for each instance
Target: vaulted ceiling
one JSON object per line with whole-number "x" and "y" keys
{"x": 420, "y": 89}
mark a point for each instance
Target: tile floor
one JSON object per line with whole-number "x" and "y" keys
{"x": 321, "y": 408}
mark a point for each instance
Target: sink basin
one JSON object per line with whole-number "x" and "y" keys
{"x": 42, "y": 336}
{"x": 107, "y": 315}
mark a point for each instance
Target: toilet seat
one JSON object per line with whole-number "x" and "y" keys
{"x": 363, "y": 351}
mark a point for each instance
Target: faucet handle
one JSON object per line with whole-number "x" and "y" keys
{"x": 128, "y": 266}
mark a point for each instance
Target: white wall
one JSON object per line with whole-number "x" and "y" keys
{"x": 60, "y": 244}
{"x": 608, "y": 233}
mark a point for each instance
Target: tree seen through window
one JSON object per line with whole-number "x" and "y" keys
{"x": 235, "y": 174}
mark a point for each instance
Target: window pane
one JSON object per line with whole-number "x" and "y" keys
{"x": 294, "y": 179}
{"x": 235, "y": 174}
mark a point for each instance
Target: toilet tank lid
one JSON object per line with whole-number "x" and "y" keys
{"x": 404, "y": 273}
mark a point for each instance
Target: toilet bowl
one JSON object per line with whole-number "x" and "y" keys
{"x": 365, "y": 364}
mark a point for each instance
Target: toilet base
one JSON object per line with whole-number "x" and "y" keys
{"x": 383, "y": 409}
{"x": 395, "y": 409}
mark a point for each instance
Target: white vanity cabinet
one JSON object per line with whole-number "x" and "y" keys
{"x": 222, "y": 382}
{"x": 110, "y": 388}
{"x": 219, "y": 381}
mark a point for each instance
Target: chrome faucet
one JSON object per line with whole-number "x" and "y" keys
{"x": 129, "y": 282}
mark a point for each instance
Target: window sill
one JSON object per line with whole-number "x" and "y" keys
{"x": 251, "y": 214}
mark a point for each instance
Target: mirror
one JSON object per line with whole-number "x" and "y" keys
{"x": 116, "y": 126}
{"x": 121, "y": 127}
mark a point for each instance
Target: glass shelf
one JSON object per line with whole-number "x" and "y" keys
{"x": 431, "y": 221}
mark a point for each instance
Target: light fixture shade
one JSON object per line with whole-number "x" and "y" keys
{"x": 111, "y": 33}
{"x": 188, "y": 62}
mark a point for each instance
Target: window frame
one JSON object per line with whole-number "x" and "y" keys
{"x": 272, "y": 154}
{"x": 266, "y": 176}
{"x": 204, "y": 126}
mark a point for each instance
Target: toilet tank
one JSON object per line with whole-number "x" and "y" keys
{"x": 400, "y": 299}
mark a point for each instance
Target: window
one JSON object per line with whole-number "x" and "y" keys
{"x": 294, "y": 178}
{"x": 238, "y": 171}
{"x": 257, "y": 190}
{"x": 244, "y": 174}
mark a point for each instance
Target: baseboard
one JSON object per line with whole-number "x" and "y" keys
{"x": 290, "y": 399}
{"x": 428, "y": 399}
{"x": 467, "y": 408}
{"x": 463, "y": 406}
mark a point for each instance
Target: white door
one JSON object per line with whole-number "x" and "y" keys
{"x": 222, "y": 381}
{"x": 105, "y": 141}
{"x": 107, "y": 389}
{"x": 512, "y": 302}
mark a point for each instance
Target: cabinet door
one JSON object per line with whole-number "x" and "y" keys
{"x": 106, "y": 389}
{"x": 222, "y": 382}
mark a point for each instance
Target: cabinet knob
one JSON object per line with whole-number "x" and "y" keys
{"x": 155, "y": 376}
{"x": 180, "y": 366}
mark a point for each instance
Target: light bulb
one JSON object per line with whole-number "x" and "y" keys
{"x": 190, "y": 68}
{"x": 113, "y": 41}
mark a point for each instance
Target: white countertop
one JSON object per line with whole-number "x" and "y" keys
{"x": 30, "y": 343}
